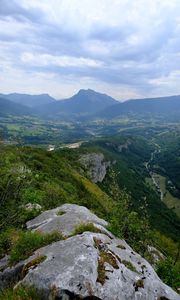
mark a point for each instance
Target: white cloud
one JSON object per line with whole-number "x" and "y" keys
{"x": 60, "y": 61}
{"x": 124, "y": 47}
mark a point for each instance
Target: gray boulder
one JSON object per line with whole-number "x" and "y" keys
{"x": 86, "y": 266}
{"x": 92, "y": 264}
{"x": 64, "y": 219}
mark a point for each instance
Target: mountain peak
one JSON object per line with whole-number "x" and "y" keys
{"x": 86, "y": 91}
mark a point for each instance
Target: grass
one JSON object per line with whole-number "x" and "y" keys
{"x": 104, "y": 257}
{"x": 121, "y": 247}
{"x": 60, "y": 213}
{"x": 20, "y": 294}
{"x": 33, "y": 264}
{"x": 129, "y": 265}
{"x": 7, "y": 239}
{"x": 86, "y": 227}
{"x": 29, "y": 241}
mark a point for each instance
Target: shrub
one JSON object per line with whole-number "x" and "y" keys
{"x": 7, "y": 239}
{"x": 169, "y": 272}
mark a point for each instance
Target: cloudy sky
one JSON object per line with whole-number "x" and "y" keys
{"x": 126, "y": 48}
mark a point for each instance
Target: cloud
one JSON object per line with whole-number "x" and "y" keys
{"x": 12, "y": 9}
{"x": 125, "y": 48}
{"x": 59, "y": 61}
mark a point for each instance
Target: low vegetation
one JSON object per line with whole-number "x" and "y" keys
{"x": 168, "y": 271}
{"x": 28, "y": 242}
{"x": 20, "y": 294}
{"x": 86, "y": 227}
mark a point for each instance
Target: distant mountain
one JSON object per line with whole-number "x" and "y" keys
{"x": 164, "y": 106}
{"x": 8, "y": 107}
{"x": 88, "y": 104}
{"x": 29, "y": 100}
{"x": 84, "y": 103}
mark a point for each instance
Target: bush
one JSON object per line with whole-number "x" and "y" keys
{"x": 29, "y": 241}
{"x": 7, "y": 239}
{"x": 169, "y": 272}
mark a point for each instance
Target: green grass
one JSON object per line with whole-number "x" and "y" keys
{"x": 32, "y": 264}
{"x": 169, "y": 272}
{"x": 86, "y": 227}
{"x": 29, "y": 241}
{"x": 20, "y": 294}
{"x": 129, "y": 265}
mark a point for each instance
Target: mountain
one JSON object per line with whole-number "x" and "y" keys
{"x": 8, "y": 107}
{"x": 84, "y": 103}
{"x": 29, "y": 100}
{"x": 167, "y": 106}
{"x": 88, "y": 104}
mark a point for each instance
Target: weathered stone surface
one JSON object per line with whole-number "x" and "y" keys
{"x": 10, "y": 275}
{"x": 64, "y": 218}
{"x": 156, "y": 255}
{"x": 95, "y": 166}
{"x": 72, "y": 268}
{"x": 86, "y": 266}
{"x": 4, "y": 262}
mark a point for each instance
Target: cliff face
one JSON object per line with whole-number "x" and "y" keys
{"x": 95, "y": 166}
{"x": 86, "y": 265}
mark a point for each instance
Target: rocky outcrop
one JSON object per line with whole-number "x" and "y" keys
{"x": 120, "y": 147}
{"x": 32, "y": 206}
{"x": 88, "y": 265}
{"x": 155, "y": 255}
{"x": 95, "y": 166}
{"x": 65, "y": 219}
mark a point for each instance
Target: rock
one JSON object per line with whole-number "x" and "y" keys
{"x": 64, "y": 219}
{"x": 94, "y": 166}
{"x": 11, "y": 275}
{"x": 156, "y": 255}
{"x": 120, "y": 147}
{"x": 85, "y": 266}
{"x": 92, "y": 264}
{"x": 124, "y": 146}
{"x": 32, "y": 206}
{"x": 4, "y": 262}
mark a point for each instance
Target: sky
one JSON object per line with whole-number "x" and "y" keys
{"x": 125, "y": 48}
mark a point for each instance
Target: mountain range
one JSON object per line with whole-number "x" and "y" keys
{"x": 28, "y": 100}
{"x": 87, "y": 104}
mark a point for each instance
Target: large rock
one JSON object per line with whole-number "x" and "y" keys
{"x": 92, "y": 264}
{"x": 95, "y": 166}
{"x": 64, "y": 219}
{"x": 89, "y": 265}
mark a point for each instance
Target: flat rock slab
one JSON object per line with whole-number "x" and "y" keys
{"x": 64, "y": 219}
{"x": 92, "y": 264}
